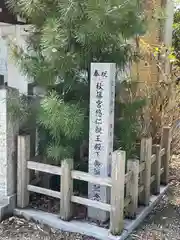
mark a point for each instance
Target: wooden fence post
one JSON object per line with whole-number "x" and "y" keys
{"x": 145, "y": 176}
{"x": 22, "y": 171}
{"x": 132, "y": 187}
{"x": 117, "y": 192}
{"x": 166, "y": 143}
{"x": 156, "y": 169}
{"x": 66, "y": 190}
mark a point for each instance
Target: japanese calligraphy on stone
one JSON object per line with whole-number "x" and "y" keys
{"x": 101, "y": 125}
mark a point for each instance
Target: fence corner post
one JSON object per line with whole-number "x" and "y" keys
{"x": 117, "y": 192}
{"x": 132, "y": 187}
{"x": 66, "y": 190}
{"x": 145, "y": 176}
{"x": 166, "y": 143}
{"x": 22, "y": 171}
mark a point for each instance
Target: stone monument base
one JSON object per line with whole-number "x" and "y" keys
{"x": 7, "y": 206}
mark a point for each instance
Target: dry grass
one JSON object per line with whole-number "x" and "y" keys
{"x": 162, "y": 109}
{"x": 163, "y": 96}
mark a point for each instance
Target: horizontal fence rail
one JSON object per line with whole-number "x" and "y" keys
{"x": 44, "y": 168}
{"x": 83, "y": 176}
{"x": 91, "y": 203}
{"x": 143, "y": 178}
{"x": 44, "y": 191}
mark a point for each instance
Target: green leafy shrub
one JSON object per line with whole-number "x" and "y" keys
{"x": 65, "y": 37}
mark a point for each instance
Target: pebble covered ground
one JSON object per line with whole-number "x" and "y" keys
{"x": 162, "y": 224}
{"x": 19, "y": 229}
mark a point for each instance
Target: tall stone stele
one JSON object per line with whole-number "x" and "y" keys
{"x": 102, "y": 94}
{"x": 8, "y": 153}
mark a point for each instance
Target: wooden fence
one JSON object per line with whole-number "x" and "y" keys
{"x": 128, "y": 189}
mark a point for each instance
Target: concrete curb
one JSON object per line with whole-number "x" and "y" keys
{"x": 143, "y": 212}
{"x": 7, "y": 206}
{"x": 85, "y": 228}
{"x": 3, "y": 209}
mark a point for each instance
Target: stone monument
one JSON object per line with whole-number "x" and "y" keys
{"x": 102, "y": 95}
{"x": 8, "y": 154}
{"x": 3, "y": 59}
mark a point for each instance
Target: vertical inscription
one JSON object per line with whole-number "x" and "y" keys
{"x": 101, "y": 130}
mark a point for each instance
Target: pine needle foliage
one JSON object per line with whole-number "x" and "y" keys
{"x": 127, "y": 122}
{"x": 65, "y": 37}
{"x": 63, "y": 122}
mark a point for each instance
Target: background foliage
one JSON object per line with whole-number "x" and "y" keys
{"x": 65, "y": 37}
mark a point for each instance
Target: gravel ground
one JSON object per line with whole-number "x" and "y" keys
{"x": 19, "y": 229}
{"x": 162, "y": 224}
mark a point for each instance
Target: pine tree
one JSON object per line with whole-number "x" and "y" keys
{"x": 66, "y": 36}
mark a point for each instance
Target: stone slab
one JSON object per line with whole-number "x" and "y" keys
{"x": 88, "y": 229}
{"x": 8, "y": 131}
{"x": 101, "y": 128}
